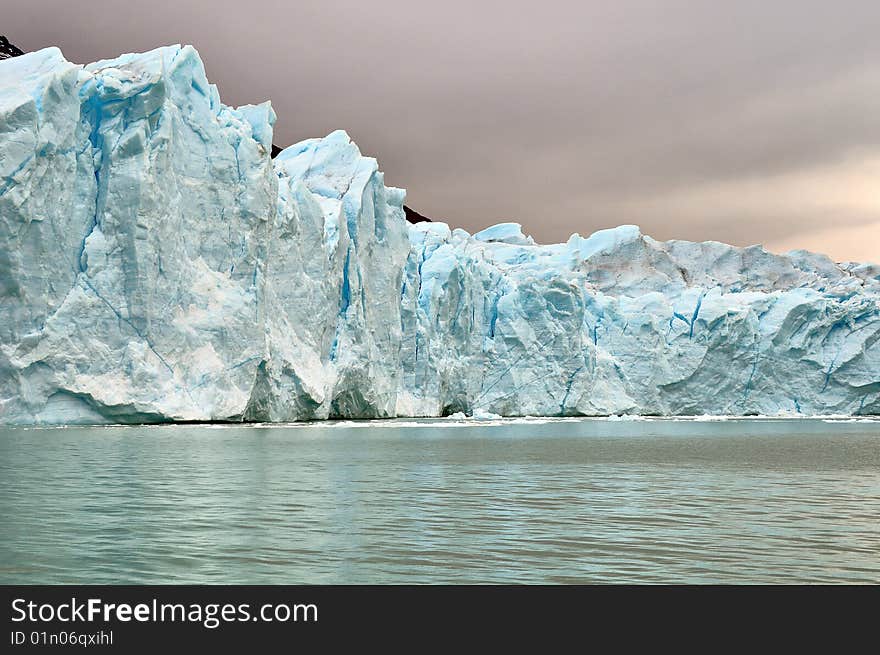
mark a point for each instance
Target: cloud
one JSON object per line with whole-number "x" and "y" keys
{"x": 744, "y": 122}
{"x": 860, "y": 243}
{"x": 778, "y": 207}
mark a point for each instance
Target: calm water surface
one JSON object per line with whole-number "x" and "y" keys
{"x": 425, "y": 502}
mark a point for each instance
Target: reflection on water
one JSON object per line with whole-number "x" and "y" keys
{"x": 391, "y": 502}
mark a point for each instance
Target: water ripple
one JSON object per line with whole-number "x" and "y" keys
{"x": 547, "y": 501}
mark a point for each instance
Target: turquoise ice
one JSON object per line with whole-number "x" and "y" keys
{"x": 156, "y": 264}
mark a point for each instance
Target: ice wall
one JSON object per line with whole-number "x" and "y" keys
{"x": 156, "y": 264}
{"x": 621, "y": 323}
{"x": 135, "y": 216}
{"x": 334, "y": 276}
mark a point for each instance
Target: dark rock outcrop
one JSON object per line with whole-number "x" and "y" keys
{"x": 415, "y": 217}
{"x": 8, "y": 50}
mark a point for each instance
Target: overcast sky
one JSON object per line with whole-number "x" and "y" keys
{"x": 746, "y": 122}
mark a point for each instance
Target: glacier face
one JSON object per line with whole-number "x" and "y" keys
{"x": 156, "y": 264}
{"x": 336, "y": 261}
{"x": 135, "y": 218}
{"x": 621, "y": 323}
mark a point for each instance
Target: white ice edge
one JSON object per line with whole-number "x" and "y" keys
{"x": 446, "y": 422}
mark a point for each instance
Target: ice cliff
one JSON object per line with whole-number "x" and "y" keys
{"x": 156, "y": 264}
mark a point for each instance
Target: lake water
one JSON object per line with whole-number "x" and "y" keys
{"x": 556, "y": 501}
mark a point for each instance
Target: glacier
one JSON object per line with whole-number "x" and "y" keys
{"x": 157, "y": 265}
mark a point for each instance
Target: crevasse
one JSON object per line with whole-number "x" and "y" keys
{"x": 157, "y": 265}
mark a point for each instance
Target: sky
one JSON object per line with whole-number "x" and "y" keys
{"x": 745, "y": 122}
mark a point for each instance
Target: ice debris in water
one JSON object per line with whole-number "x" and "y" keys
{"x": 157, "y": 265}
